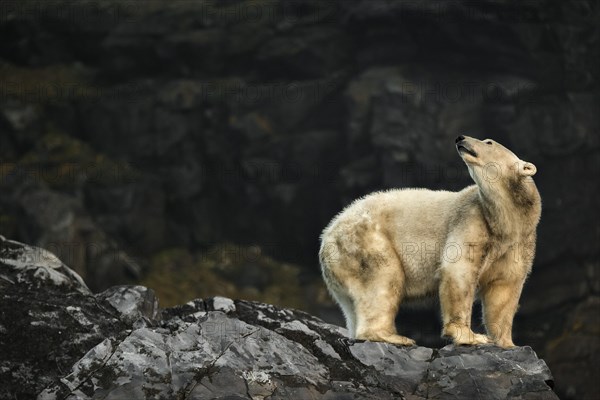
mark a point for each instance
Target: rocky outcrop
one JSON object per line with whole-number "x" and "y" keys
{"x": 60, "y": 341}
{"x": 50, "y": 319}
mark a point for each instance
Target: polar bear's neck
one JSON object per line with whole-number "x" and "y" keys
{"x": 511, "y": 210}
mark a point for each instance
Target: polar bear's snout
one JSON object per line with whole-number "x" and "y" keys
{"x": 463, "y": 146}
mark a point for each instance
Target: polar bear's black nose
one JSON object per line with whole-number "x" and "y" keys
{"x": 458, "y": 139}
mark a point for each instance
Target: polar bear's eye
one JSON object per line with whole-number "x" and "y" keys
{"x": 489, "y": 142}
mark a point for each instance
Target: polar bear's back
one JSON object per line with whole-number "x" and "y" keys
{"x": 421, "y": 208}
{"x": 413, "y": 222}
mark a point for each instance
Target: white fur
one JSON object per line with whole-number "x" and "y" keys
{"x": 406, "y": 244}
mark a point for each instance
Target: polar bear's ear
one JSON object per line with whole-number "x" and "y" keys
{"x": 527, "y": 168}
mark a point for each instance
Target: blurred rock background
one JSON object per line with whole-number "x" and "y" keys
{"x": 200, "y": 147}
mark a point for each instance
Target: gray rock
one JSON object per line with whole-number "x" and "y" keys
{"x": 174, "y": 363}
{"x": 223, "y": 304}
{"x": 486, "y": 372}
{"x": 131, "y": 302}
{"x": 412, "y": 363}
{"x": 36, "y": 268}
{"x": 117, "y": 344}
{"x": 207, "y": 354}
{"x": 48, "y": 319}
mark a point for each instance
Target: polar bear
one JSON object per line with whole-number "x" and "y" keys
{"x": 405, "y": 244}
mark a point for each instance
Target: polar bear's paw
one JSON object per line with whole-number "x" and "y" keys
{"x": 401, "y": 340}
{"x": 505, "y": 343}
{"x": 463, "y": 335}
{"x": 392, "y": 338}
{"x": 472, "y": 339}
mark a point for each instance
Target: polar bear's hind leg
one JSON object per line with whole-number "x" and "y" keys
{"x": 349, "y": 312}
{"x": 377, "y": 303}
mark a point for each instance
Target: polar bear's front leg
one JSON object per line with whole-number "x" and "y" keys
{"x": 500, "y": 302}
{"x": 457, "y": 293}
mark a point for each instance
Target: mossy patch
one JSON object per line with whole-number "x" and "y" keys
{"x": 241, "y": 272}
{"x": 64, "y": 162}
{"x": 49, "y": 84}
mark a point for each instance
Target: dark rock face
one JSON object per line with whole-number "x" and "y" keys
{"x": 60, "y": 223}
{"x": 59, "y": 341}
{"x": 130, "y": 129}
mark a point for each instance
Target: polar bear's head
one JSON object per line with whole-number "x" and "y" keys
{"x": 492, "y": 165}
